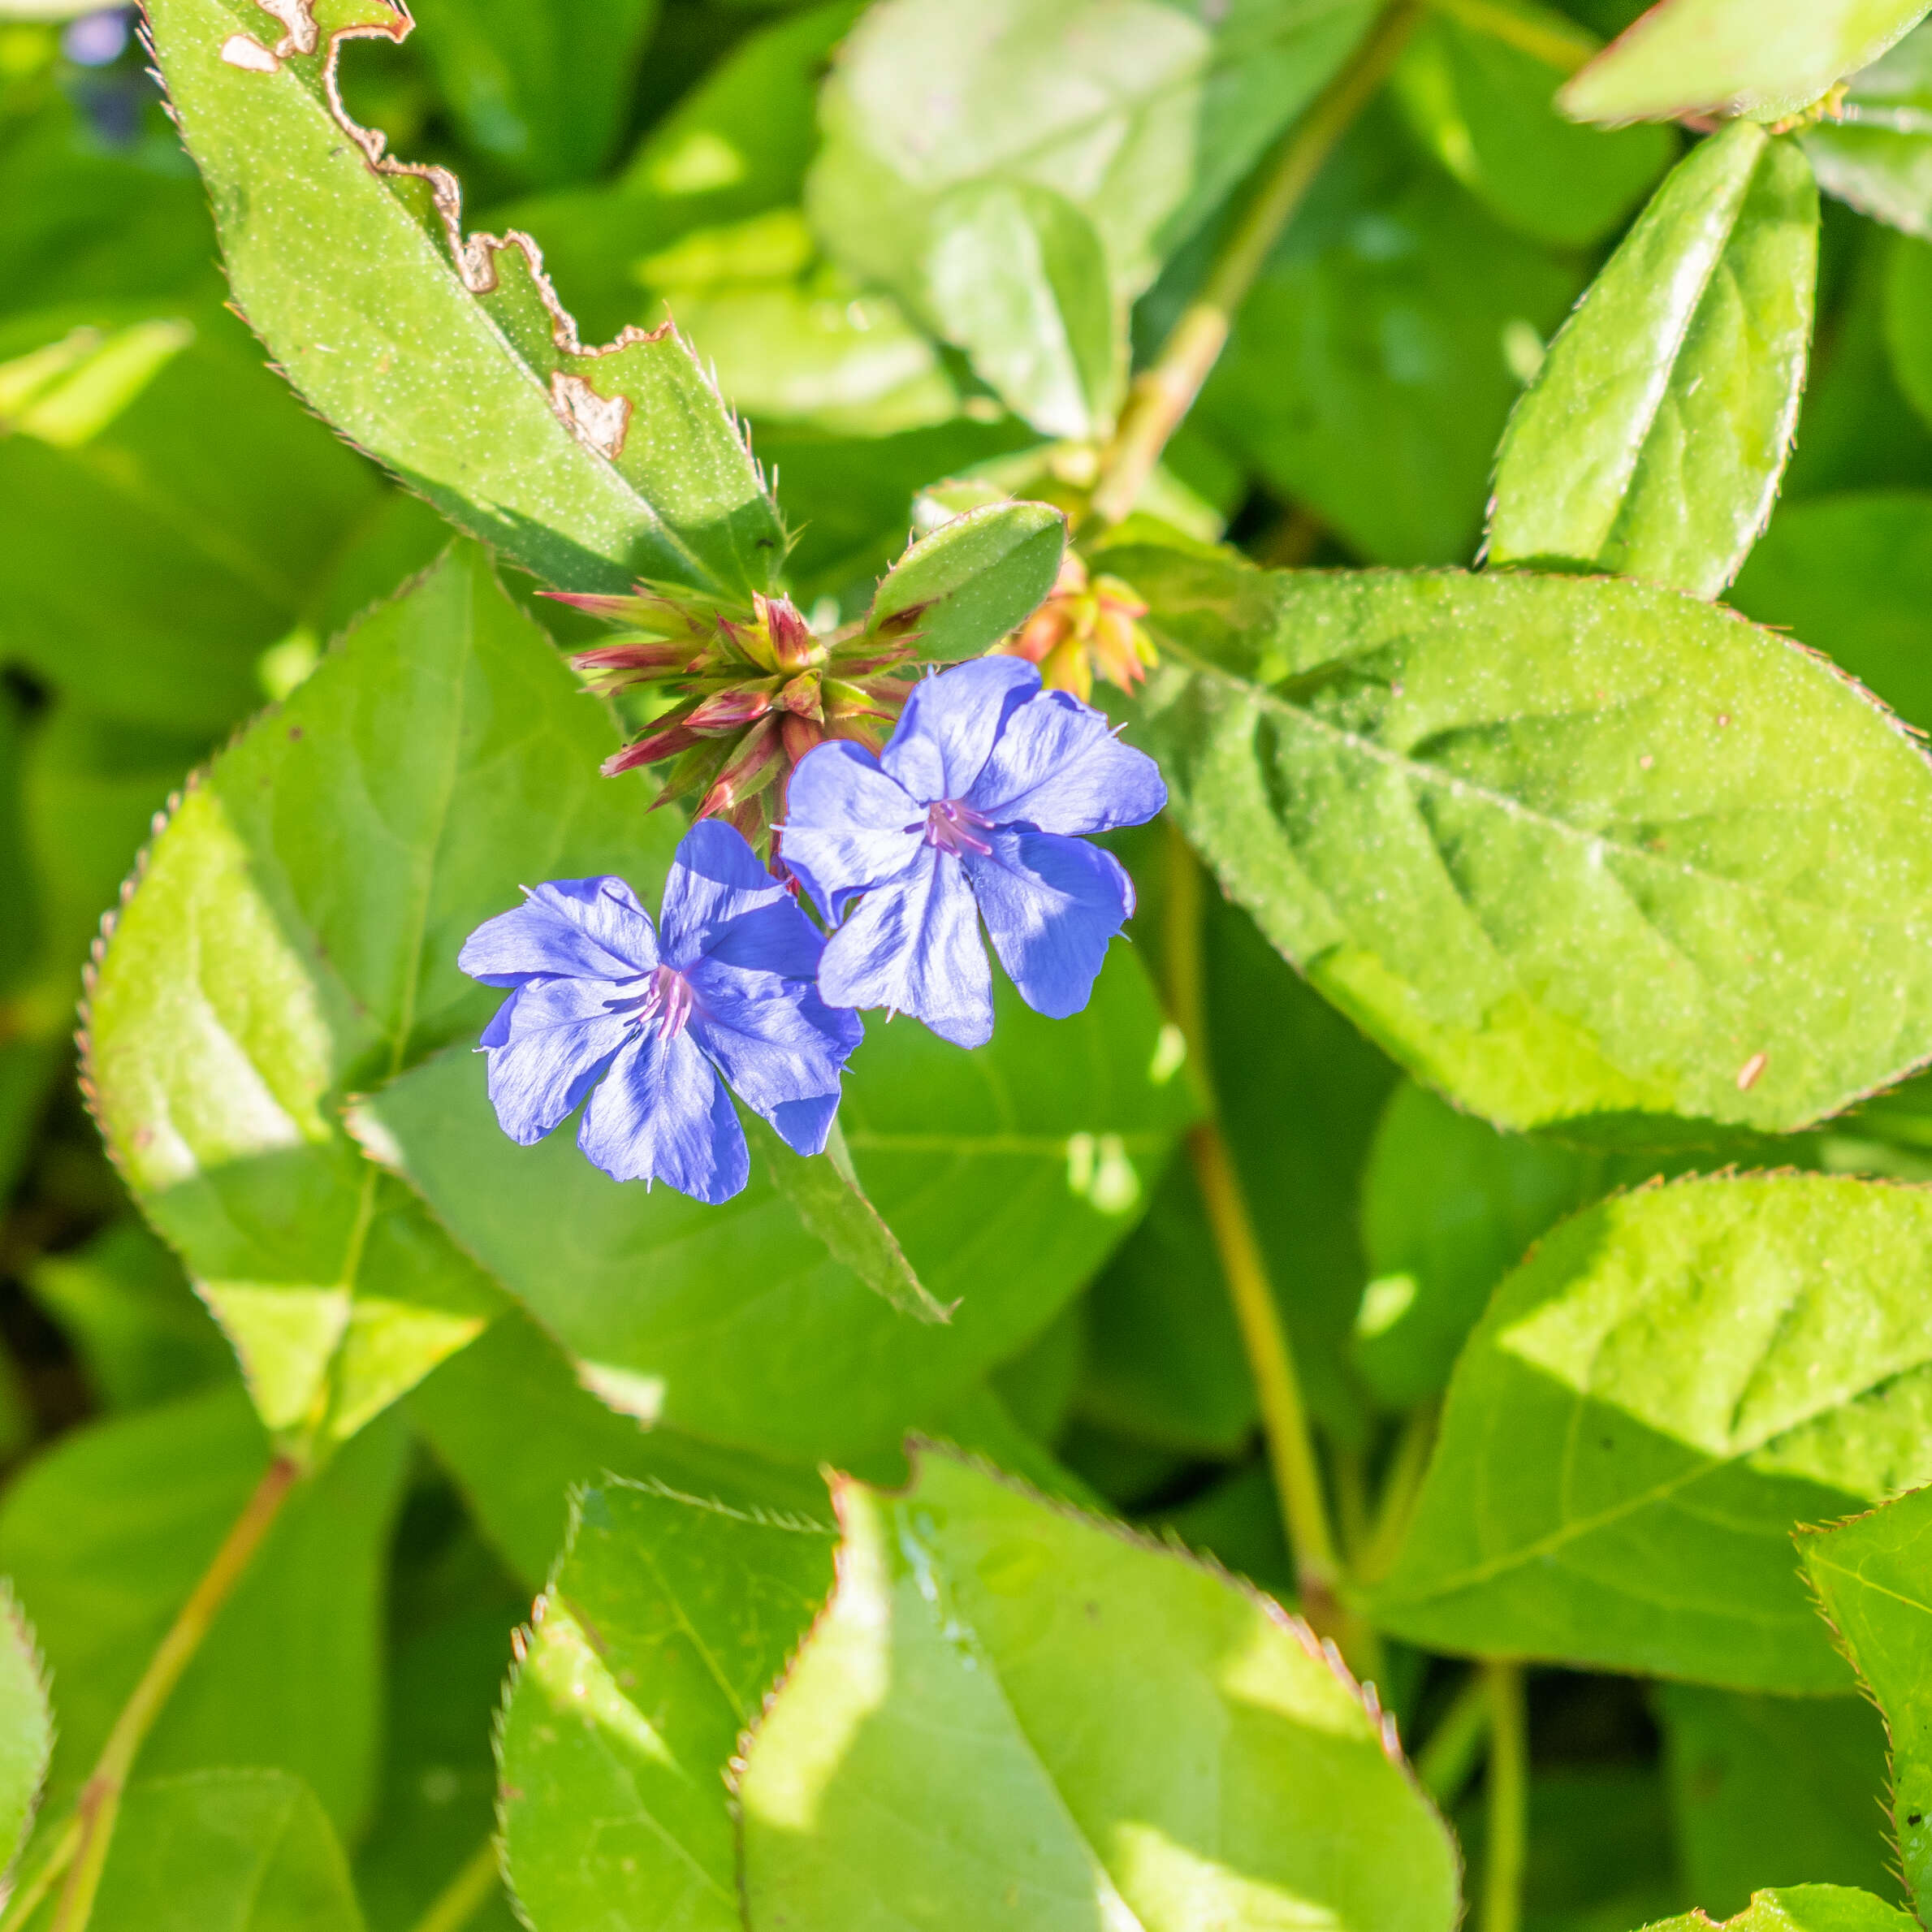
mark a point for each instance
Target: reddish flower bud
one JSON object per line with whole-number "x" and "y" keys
{"x": 748, "y": 770}
{"x": 734, "y": 705}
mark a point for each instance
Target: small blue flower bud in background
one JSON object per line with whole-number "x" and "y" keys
{"x": 975, "y": 810}
{"x": 725, "y": 989}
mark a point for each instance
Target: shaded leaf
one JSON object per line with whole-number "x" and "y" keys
{"x": 1131, "y": 1739}
{"x": 295, "y": 935}
{"x": 1689, "y": 56}
{"x": 972, "y": 579}
{"x": 448, "y": 358}
{"x": 1874, "y": 1579}
{"x": 653, "y": 1649}
{"x": 1652, "y": 440}
{"x": 518, "y": 1431}
{"x": 1805, "y": 1908}
{"x": 131, "y": 1314}
{"x": 1774, "y": 1791}
{"x": 1675, "y": 1379}
{"x": 1475, "y": 84}
{"x": 245, "y": 1851}
{"x": 1851, "y": 575}
{"x": 147, "y": 567}
{"x": 1005, "y": 1174}
{"x": 541, "y": 90}
{"x": 1369, "y": 375}
{"x": 1597, "y": 818}
{"x": 104, "y": 1536}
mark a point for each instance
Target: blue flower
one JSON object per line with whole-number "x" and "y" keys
{"x": 601, "y": 995}
{"x": 973, "y": 811}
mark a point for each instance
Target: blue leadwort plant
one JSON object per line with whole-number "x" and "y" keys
{"x": 601, "y": 996}
{"x": 976, "y": 809}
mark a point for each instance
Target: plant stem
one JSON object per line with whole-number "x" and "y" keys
{"x": 1509, "y": 1797}
{"x": 1263, "y": 1335}
{"x": 1163, "y": 393}
{"x": 1448, "y": 1761}
{"x": 99, "y": 1802}
{"x": 1406, "y": 1467}
{"x": 1559, "y": 46}
{"x": 466, "y": 1894}
{"x": 20, "y": 1907}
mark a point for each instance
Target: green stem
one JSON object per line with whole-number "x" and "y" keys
{"x": 1509, "y": 1797}
{"x": 21, "y": 1906}
{"x": 466, "y": 1894}
{"x": 1447, "y": 1762}
{"x": 1264, "y": 1334}
{"x": 1164, "y": 392}
{"x": 98, "y": 1807}
{"x": 1400, "y": 1486}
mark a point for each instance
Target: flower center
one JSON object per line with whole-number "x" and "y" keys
{"x": 951, "y": 826}
{"x": 666, "y": 1002}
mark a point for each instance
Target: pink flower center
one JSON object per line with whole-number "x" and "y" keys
{"x": 667, "y": 1003}
{"x": 951, "y": 826}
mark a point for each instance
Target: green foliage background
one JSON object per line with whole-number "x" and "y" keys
{"x": 1538, "y": 883}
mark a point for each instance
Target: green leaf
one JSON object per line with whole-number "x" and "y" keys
{"x": 1873, "y": 1577}
{"x": 514, "y": 1423}
{"x": 824, "y": 1191}
{"x": 132, "y": 1317}
{"x": 246, "y": 1851}
{"x": 1006, "y": 1175}
{"x": 1851, "y": 576}
{"x": 1131, "y": 1740}
{"x": 972, "y": 579}
{"x": 1599, "y": 816}
{"x": 147, "y": 567}
{"x": 1670, "y": 1383}
{"x": 1018, "y": 208}
{"x": 1370, "y": 372}
{"x": 1875, "y": 152}
{"x": 1773, "y": 1791}
{"x": 792, "y": 338}
{"x": 1909, "y": 321}
{"x": 738, "y": 144}
{"x": 1652, "y": 440}
{"x": 1448, "y": 1207}
{"x": 653, "y": 1649}
{"x": 1804, "y": 1908}
{"x": 588, "y": 468}
{"x": 294, "y": 937}
{"x": 106, "y": 1533}
{"x": 26, "y": 1729}
{"x": 1016, "y": 274}
{"x": 1768, "y": 61}
{"x": 541, "y": 90}
{"x": 1475, "y": 84}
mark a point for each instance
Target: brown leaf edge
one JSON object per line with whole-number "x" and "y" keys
{"x": 600, "y": 424}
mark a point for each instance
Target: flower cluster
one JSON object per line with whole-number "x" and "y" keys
{"x": 975, "y": 810}
{"x": 1087, "y": 626}
{"x": 754, "y": 694}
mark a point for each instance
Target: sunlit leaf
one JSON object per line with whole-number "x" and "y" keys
{"x": 1574, "y": 851}
{"x": 1131, "y": 1740}
{"x": 1672, "y": 1382}
{"x": 1652, "y": 440}
{"x": 1768, "y": 60}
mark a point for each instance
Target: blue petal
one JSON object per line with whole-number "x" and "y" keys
{"x": 1058, "y": 767}
{"x": 778, "y": 1044}
{"x": 594, "y": 928}
{"x": 848, "y": 826}
{"x": 1052, "y": 904}
{"x": 555, "y": 1038}
{"x": 662, "y": 1115}
{"x": 950, "y": 722}
{"x": 719, "y": 896}
{"x": 914, "y": 946}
